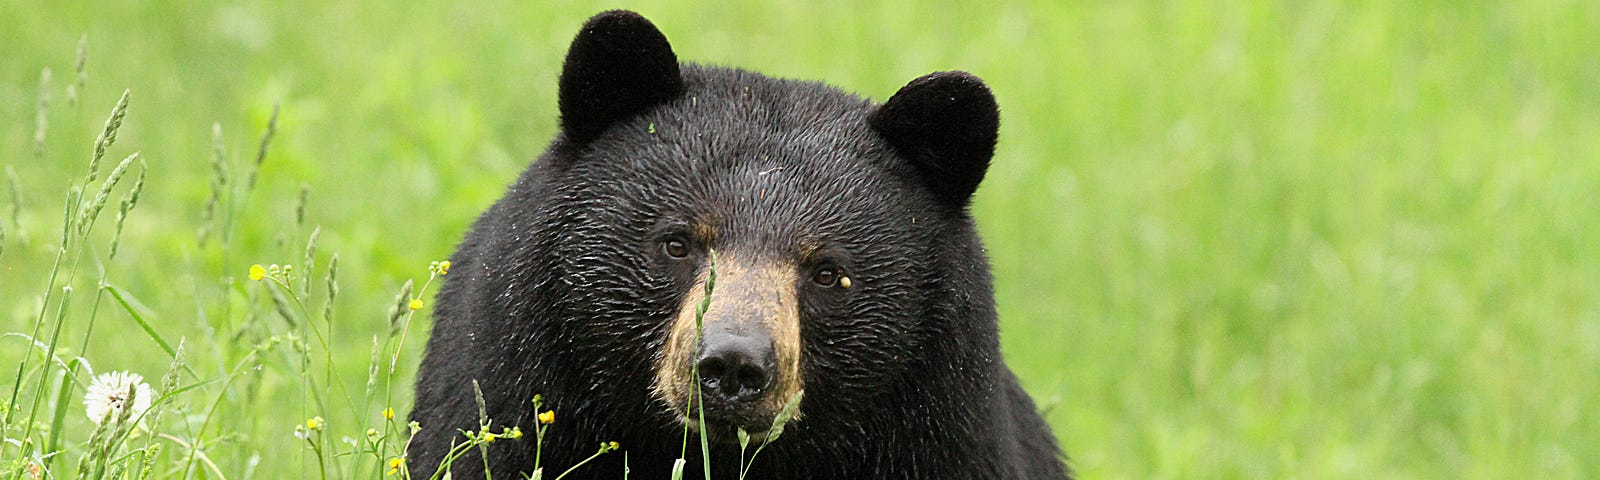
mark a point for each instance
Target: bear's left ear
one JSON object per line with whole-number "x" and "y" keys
{"x": 618, "y": 65}
{"x": 946, "y": 123}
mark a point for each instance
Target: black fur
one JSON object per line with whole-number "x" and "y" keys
{"x": 618, "y": 65}
{"x": 561, "y": 288}
{"x": 947, "y": 124}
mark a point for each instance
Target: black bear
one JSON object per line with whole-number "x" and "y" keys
{"x": 845, "y": 263}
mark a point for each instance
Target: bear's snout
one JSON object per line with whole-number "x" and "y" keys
{"x": 735, "y": 369}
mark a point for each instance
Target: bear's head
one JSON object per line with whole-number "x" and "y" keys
{"x": 836, "y": 231}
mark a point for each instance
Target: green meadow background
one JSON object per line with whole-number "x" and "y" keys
{"x": 1255, "y": 239}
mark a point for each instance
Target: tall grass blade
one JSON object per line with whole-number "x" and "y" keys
{"x": 699, "y": 329}
{"x": 38, "y": 321}
{"x": 63, "y": 400}
{"x": 129, "y": 305}
{"x": 50, "y": 352}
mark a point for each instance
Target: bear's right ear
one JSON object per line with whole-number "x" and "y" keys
{"x": 619, "y": 65}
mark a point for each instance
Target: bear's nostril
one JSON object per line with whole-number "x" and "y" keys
{"x": 712, "y": 369}
{"x": 751, "y": 379}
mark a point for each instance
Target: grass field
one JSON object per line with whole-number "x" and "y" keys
{"x": 1249, "y": 239}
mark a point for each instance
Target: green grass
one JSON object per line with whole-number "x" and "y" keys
{"x": 1231, "y": 240}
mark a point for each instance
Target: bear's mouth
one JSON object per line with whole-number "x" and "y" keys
{"x": 722, "y": 432}
{"x": 725, "y": 423}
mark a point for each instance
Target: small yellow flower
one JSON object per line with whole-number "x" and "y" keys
{"x": 488, "y": 437}
{"x": 511, "y": 433}
{"x": 416, "y": 304}
{"x": 257, "y": 272}
{"x": 614, "y": 446}
{"x": 388, "y": 414}
{"x": 314, "y": 423}
{"x": 548, "y": 417}
{"x": 395, "y": 464}
{"x": 444, "y": 267}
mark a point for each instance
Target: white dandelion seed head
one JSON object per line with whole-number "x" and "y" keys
{"x": 108, "y": 393}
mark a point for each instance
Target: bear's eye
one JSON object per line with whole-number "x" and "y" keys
{"x": 675, "y": 248}
{"x": 826, "y": 277}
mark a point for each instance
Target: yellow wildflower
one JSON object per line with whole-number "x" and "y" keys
{"x": 548, "y": 417}
{"x": 416, "y": 304}
{"x": 444, "y": 267}
{"x": 388, "y": 414}
{"x": 314, "y": 423}
{"x": 395, "y": 464}
{"x": 257, "y": 272}
{"x": 488, "y": 437}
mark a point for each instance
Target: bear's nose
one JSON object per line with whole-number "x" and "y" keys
{"x": 735, "y": 369}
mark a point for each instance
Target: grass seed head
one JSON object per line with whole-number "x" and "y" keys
{"x": 88, "y": 215}
{"x": 128, "y": 202}
{"x": 108, "y": 135}
{"x": 41, "y": 119}
{"x": 219, "y": 182}
{"x": 81, "y": 66}
{"x": 402, "y": 304}
{"x": 261, "y": 151}
{"x": 300, "y": 206}
{"x": 333, "y": 288}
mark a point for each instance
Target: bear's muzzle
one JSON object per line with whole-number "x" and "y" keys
{"x": 745, "y": 350}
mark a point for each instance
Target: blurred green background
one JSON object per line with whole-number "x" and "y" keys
{"x": 1255, "y": 239}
